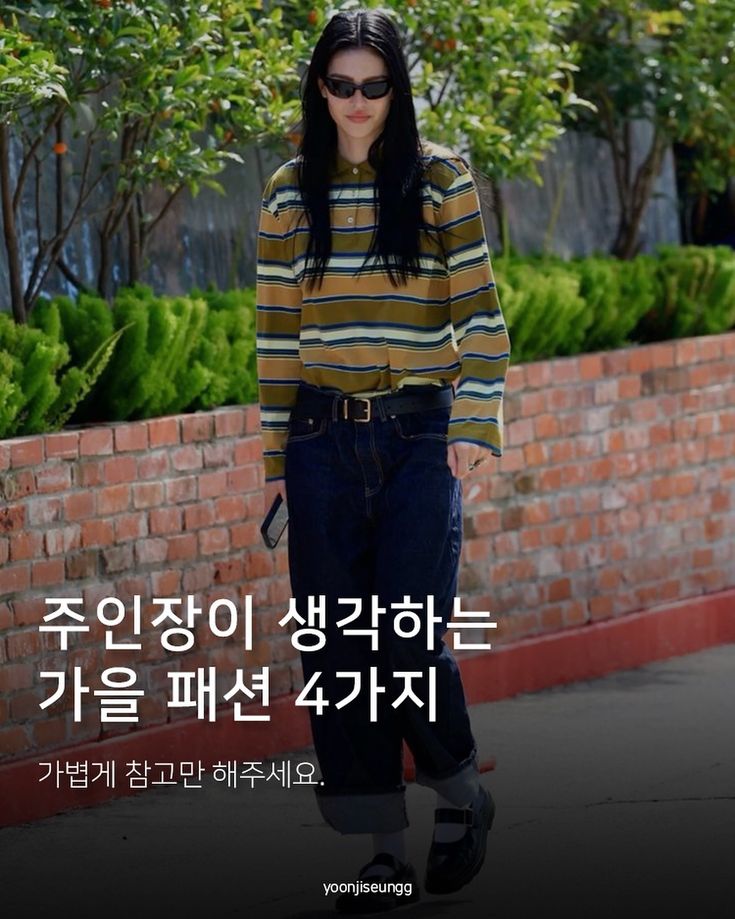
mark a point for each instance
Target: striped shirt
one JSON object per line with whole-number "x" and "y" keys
{"x": 357, "y": 333}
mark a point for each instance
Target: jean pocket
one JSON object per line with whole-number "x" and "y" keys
{"x": 429, "y": 425}
{"x": 305, "y": 428}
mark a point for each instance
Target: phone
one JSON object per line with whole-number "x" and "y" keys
{"x": 275, "y": 522}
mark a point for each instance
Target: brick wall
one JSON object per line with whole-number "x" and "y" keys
{"x": 615, "y": 493}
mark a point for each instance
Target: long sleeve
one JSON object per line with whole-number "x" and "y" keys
{"x": 278, "y": 323}
{"x": 480, "y": 331}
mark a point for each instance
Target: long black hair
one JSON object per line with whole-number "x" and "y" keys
{"x": 395, "y": 154}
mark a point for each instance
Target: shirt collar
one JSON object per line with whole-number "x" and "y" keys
{"x": 347, "y": 169}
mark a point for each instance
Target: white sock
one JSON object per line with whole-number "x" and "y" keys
{"x": 394, "y": 844}
{"x": 449, "y": 832}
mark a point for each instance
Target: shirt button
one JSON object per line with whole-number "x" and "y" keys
{"x": 350, "y": 220}
{"x": 355, "y": 170}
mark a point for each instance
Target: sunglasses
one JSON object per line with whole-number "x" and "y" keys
{"x": 345, "y": 89}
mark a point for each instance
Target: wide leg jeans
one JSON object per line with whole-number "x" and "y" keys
{"x": 375, "y": 514}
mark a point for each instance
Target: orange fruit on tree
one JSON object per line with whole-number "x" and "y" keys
{"x": 312, "y": 17}
{"x": 60, "y": 148}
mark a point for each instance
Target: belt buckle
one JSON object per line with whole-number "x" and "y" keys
{"x": 365, "y": 401}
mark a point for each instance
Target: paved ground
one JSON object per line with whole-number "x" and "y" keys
{"x": 615, "y": 797}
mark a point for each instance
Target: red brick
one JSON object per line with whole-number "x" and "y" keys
{"x": 546, "y": 426}
{"x": 26, "y": 451}
{"x": 120, "y": 469}
{"x": 25, "y": 705}
{"x": 131, "y": 437}
{"x": 154, "y": 465}
{"x": 4, "y": 456}
{"x": 218, "y": 454}
{"x": 252, "y": 420}
{"x": 95, "y": 442}
{"x": 212, "y": 484}
{"x": 117, "y": 558}
{"x": 214, "y": 541}
{"x": 258, "y": 564}
{"x": 147, "y": 494}
{"x": 248, "y": 451}
{"x": 199, "y": 515}
{"x": 47, "y": 572}
{"x": 662, "y": 354}
{"x": 230, "y": 508}
{"x": 62, "y": 539}
{"x": 51, "y": 732}
{"x": 166, "y": 583}
{"x": 590, "y": 366}
{"x": 130, "y": 526}
{"x": 13, "y": 740}
{"x": 163, "y": 432}
{"x": 519, "y": 432}
{"x": 53, "y": 478}
{"x": 229, "y": 422}
{"x": 24, "y": 644}
{"x": 26, "y": 545}
{"x": 188, "y": 457}
{"x": 151, "y": 551}
{"x": 97, "y": 533}
{"x": 41, "y": 511}
{"x": 245, "y": 479}
{"x": 113, "y": 499}
{"x": 629, "y": 387}
{"x": 245, "y": 534}
{"x": 79, "y": 505}
{"x": 165, "y": 520}
{"x": 15, "y": 676}
{"x": 89, "y": 473}
{"x": 64, "y": 445}
{"x": 82, "y": 564}
{"x": 14, "y": 578}
{"x": 196, "y": 427}
{"x": 181, "y": 489}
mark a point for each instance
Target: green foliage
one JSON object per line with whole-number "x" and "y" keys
{"x": 29, "y": 73}
{"x": 542, "y": 306}
{"x": 670, "y": 63}
{"x": 698, "y": 293}
{"x": 29, "y": 388}
{"x": 177, "y": 354}
{"x": 151, "y": 356}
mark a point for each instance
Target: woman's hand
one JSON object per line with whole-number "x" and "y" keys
{"x": 271, "y": 490}
{"x": 463, "y": 457}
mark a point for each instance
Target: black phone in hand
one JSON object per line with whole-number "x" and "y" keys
{"x": 275, "y": 522}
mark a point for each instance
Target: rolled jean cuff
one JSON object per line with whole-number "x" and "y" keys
{"x": 369, "y": 812}
{"x": 460, "y": 787}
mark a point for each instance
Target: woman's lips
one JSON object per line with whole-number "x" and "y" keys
{"x": 358, "y": 117}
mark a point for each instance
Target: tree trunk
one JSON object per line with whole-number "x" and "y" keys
{"x": 9, "y": 229}
{"x": 633, "y": 205}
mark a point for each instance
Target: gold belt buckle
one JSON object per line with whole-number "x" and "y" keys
{"x": 345, "y": 409}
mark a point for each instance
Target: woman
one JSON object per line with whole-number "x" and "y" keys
{"x": 375, "y": 295}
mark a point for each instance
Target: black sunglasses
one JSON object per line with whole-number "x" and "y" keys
{"x": 345, "y": 89}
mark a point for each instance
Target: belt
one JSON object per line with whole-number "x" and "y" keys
{"x": 340, "y": 407}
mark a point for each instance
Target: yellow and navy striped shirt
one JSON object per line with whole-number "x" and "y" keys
{"x": 357, "y": 333}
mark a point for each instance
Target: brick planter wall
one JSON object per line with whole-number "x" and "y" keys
{"x": 615, "y": 494}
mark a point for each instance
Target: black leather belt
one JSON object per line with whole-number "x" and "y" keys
{"x": 312, "y": 404}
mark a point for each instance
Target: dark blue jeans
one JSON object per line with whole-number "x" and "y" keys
{"x": 374, "y": 510}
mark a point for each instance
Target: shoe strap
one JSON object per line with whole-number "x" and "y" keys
{"x": 454, "y": 815}
{"x": 383, "y": 858}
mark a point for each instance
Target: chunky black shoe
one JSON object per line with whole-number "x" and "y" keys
{"x": 451, "y": 865}
{"x": 365, "y": 900}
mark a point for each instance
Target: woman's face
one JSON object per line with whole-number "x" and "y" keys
{"x": 358, "y": 65}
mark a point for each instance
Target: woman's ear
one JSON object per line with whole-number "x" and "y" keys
{"x": 322, "y": 87}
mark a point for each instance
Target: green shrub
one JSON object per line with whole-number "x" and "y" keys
{"x": 697, "y": 293}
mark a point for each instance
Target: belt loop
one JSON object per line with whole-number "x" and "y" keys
{"x": 335, "y": 407}
{"x": 381, "y": 407}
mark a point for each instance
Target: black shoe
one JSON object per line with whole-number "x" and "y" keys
{"x": 375, "y": 901}
{"x": 451, "y": 865}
